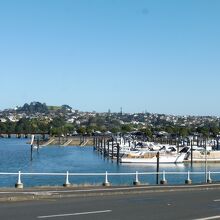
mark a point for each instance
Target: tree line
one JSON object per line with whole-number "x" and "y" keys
{"x": 59, "y": 126}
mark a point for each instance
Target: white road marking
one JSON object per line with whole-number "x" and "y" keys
{"x": 216, "y": 200}
{"x": 72, "y": 214}
{"x": 209, "y": 218}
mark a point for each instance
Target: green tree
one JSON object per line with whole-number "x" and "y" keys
{"x": 147, "y": 132}
{"x": 81, "y": 130}
{"x": 126, "y": 128}
{"x": 183, "y": 131}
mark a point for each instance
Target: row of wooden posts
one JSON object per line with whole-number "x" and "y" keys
{"x": 103, "y": 146}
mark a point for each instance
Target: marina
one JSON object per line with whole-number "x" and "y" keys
{"x": 133, "y": 150}
{"x": 86, "y": 166}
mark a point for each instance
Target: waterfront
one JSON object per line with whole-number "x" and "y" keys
{"x": 15, "y": 156}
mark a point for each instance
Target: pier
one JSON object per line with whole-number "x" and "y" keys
{"x": 43, "y": 135}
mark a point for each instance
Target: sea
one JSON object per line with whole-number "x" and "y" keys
{"x": 15, "y": 155}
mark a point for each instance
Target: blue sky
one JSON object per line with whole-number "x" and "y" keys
{"x": 157, "y": 56}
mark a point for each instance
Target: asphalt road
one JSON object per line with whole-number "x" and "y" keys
{"x": 183, "y": 204}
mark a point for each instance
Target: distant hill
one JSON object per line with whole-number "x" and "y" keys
{"x": 37, "y": 107}
{"x": 34, "y": 107}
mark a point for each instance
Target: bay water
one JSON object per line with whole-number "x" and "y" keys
{"x": 15, "y": 156}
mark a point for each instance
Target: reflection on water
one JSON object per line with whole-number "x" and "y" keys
{"x": 15, "y": 156}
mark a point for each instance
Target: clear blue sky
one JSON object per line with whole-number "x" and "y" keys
{"x": 161, "y": 55}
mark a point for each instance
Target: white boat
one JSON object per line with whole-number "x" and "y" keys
{"x": 202, "y": 156}
{"x": 151, "y": 157}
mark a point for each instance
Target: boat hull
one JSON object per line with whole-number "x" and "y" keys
{"x": 153, "y": 160}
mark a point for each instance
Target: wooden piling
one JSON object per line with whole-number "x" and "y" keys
{"x": 99, "y": 145}
{"x": 118, "y": 152}
{"x": 108, "y": 147}
{"x": 104, "y": 150}
{"x": 59, "y": 139}
{"x": 112, "y": 149}
{"x": 31, "y": 152}
{"x": 158, "y": 167}
{"x": 101, "y": 150}
{"x": 97, "y": 148}
{"x": 38, "y": 145}
{"x": 178, "y": 145}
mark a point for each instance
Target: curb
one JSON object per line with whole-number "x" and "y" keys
{"x": 57, "y": 193}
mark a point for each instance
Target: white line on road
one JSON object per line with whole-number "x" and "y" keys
{"x": 71, "y": 214}
{"x": 209, "y": 218}
{"x": 216, "y": 200}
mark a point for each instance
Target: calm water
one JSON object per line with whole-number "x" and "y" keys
{"x": 15, "y": 156}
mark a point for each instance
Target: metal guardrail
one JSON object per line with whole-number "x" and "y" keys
{"x": 106, "y": 174}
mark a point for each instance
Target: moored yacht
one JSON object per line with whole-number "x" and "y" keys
{"x": 151, "y": 157}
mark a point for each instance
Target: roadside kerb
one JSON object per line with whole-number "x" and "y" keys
{"x": 8, "y": 195}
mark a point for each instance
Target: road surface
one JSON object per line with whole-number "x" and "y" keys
{"x": 172, "y": 204}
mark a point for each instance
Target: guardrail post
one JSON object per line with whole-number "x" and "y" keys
{"x": 163, "y": 181}
{"x": 67, "y": 183}
{"x": 136, "y": 182}
{"x": 106, "y": 183}
{"x": 209, "y": 180}
{"x": 19, "y": 184}
{"x": 188, "y": 180}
